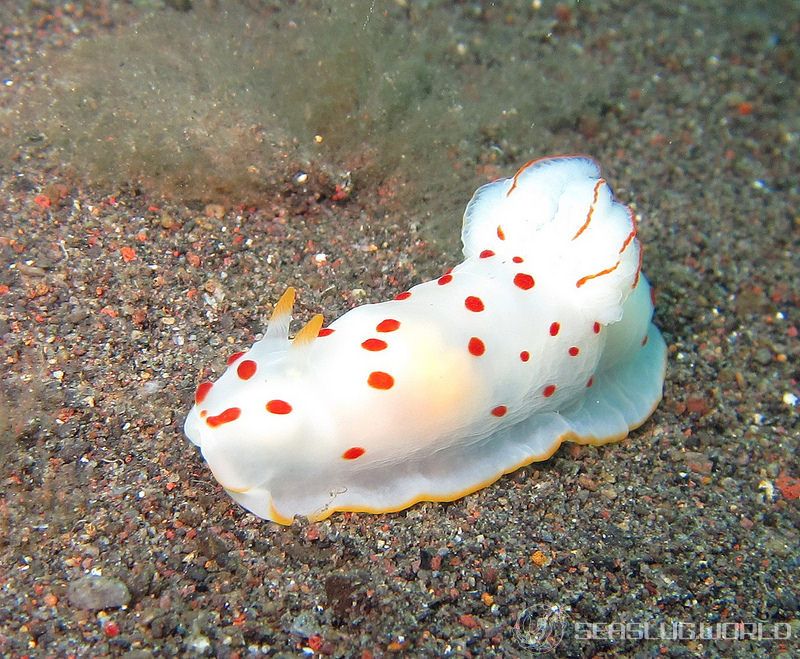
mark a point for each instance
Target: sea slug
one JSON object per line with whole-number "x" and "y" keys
{"x": 542, "y": 335}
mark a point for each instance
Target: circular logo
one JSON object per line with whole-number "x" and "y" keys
{"x": 540, "y": 630}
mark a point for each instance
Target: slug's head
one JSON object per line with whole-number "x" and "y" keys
{"x": 252, "y": 421}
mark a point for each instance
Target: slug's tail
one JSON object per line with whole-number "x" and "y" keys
{"x": 560, "y": 214}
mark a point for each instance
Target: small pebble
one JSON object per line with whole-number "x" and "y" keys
{"x": 96, "y": 592}
{"x": 608, "y": 492}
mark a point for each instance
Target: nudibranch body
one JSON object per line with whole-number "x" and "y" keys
{"x": 543, "y": 334}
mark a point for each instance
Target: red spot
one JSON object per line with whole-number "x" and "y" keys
{"x": 380, "y": 380}
{"x": 448, "y": 271}
{"x": 468, "y": 621}
{"x": 573, "y": 351}
{"x": 644, "y": 340}
{"x": 340, "y": 193}
{"x": 403, "y": 296}
{"x": 473, "y": 303}
{"x": 326, "y": 331}
{"x": 653, "y": 296}
{"x": 202, "y": 391}
{"x": 590, "y": 382}
{"x": 524, "y": 355}
{"x": 445, "y": 279}
{"x": 231, "y": 414}
{"x": 233, "y": 357}
{"x": 353, "y": 453}
{"x": 523, "y": 281}
{"x": 596, "y": 327}
{"x": 42, "y": 200}
{"x": 500, "y": 233}
{"x": 517, "y": 259}
{"x": 374, "y": 345}
{"x": 278, "y": 406}
{"x": 554, "y": 327}
{"x": 111, "y": 629}
{"x": 788, "y": 486}
{"x": 128, "y": 254}
{"x": 246, "y": 369}
{"x": 549, "y": 390}
{"x": 500, "y": 410}
{"x": 203, "y": 414}
{"x": 745, "y": 108}
{"x": 476, "y": 346}
{"x": 388, "y": 325}
{"x": 485, "y": 254}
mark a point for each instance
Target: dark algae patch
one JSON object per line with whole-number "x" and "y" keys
{"x": 138, "y": 251}
{"x": 230, "y": 100}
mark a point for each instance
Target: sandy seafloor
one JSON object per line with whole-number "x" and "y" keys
{"x": 692, "y": 520}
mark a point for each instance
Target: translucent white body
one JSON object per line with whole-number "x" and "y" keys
{"x": 541, "y": 335}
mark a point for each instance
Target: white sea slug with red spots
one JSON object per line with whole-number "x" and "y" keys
{"x": 540, "y": 336}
